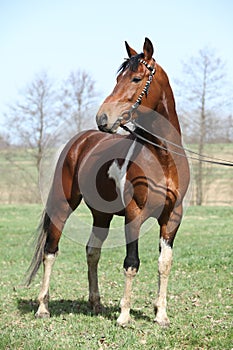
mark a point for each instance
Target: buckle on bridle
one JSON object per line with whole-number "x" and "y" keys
{"x": 128, "y": 115}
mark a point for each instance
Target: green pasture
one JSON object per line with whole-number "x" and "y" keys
{"x": 199, "y": 301}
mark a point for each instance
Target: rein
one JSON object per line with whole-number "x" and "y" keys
{"x": 211, "y": 160}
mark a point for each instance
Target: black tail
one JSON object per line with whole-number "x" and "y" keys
{"x": 39, "y": 249}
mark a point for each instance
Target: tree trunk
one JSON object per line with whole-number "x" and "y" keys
{"x": 202, "y": 133}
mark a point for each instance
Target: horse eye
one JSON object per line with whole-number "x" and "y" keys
{"x": 136, "y": 80}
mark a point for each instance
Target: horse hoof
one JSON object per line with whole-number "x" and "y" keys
{"x": 123, "y": 321}
{"x": 98, "y": 309}
{"x": 42, "y": 315}
{"x": 162, "y": 322}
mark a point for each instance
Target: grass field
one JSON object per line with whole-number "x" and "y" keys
{"x": 200, "y": 289}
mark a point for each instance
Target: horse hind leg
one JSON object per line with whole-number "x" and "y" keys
{"x": 93, "y": 251}
{"x": 50, "y": 252}
{"x": 51, "y": 230}
{"x": 43, "y": 298}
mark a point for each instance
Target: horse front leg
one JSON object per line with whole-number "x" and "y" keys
{"x": 125, "y": 303}
{"x": 167, "y": 235}
{"x": 164, "y": 268}
{"x": 131, "y": 267}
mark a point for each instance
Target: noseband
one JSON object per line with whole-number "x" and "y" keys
{"x": 144, "y": 92}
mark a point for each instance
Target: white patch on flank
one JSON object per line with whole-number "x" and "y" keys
{"x": 119, "y": 174}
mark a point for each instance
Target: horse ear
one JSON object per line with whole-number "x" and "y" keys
{"x": 148, "y": 49}
{"x": 131, "y": 52}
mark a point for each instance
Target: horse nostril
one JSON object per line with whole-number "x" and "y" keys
{"x": 102, "y": 121}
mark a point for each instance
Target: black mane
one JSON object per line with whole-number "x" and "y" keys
{"x": 131, "y": 63}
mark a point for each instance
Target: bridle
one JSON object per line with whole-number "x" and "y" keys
{"x": 201, "y": 157}
{"x": 127, "y": 115}
{"x": 179, "y": 149}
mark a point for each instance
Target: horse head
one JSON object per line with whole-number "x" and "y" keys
{"x": 137, "y": 90}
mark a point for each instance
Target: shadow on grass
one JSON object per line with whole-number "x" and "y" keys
{"x": 66, "y": 307}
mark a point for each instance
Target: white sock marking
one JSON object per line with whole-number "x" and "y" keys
{"x": 165, "y": 262}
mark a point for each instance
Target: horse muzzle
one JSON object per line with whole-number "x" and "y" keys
{"x": 105, "y": 125}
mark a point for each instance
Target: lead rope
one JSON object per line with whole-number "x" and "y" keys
{"x": 181, "y": 147}
{"x": 223, "y": 162}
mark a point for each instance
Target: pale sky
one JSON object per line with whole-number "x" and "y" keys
{"x": 64, "y": 35}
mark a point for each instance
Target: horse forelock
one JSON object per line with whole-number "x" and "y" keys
{"x": 131, "y": 63}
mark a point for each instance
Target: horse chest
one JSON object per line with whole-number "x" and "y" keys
{"x": 118, "y": 171}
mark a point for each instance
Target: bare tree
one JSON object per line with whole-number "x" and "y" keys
{"x": 78, "y": 96}
{"x": 4, "y": 143}
{"x": 28, "y": 123}
{"x": 33, "y": 123}
{"x": 201, "y": 93}
{"x": 229, "y": 130}
{"x": 33, "y": 116}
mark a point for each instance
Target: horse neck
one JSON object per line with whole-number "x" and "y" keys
{"x": 166, "y": 105}
{"x": 162, "y": 121}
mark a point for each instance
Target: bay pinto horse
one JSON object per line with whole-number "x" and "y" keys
{"x": 136, "y": 175}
